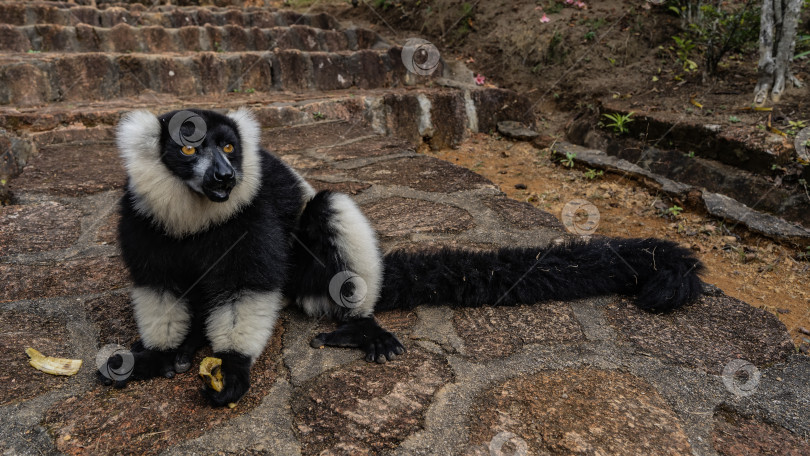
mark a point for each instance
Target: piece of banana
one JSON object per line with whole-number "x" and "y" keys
{"x": 211, "y": 373}
{"x": 51, "y": 365}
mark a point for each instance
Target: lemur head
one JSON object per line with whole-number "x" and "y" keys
{"x": 188, "y": 169}
{"x": 203, "y": 149}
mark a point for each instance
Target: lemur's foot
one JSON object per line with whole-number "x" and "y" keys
{"x": 139, "y": 363}
{"x": 378, "y": 344}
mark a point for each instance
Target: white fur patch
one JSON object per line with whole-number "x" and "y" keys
{"x": 357, "y": 244}
{"x": 245, "y": 324}
{"x": 163, "y": 320}
{"x": 166, "y": 198}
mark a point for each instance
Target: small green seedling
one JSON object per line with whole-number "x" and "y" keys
{"x": 593, "y": 174}
{"x": 569, "y": 159}
{"x": 619, "y": 122}
{"x": 318, "y": 115}
{"x": 734, "y": 119}
{"x": 675, "y": 210}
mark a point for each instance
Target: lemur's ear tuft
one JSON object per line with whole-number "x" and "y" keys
{"x": 138, "y": 135}
{"x": 249, "y": 130}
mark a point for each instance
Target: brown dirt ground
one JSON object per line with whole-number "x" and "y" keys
{"x": 745, "y": 266}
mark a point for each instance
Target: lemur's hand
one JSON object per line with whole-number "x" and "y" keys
{"x": 365, "y": 333}
{"x": 235, "y": 371}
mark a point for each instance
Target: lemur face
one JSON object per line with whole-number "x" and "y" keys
{"x": 202, "y": 148}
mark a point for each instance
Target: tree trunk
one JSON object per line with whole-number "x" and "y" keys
{"x": 777, "y": 40}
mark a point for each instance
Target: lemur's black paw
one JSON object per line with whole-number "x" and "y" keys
{"x": 385, "y": 347}
{"x": 235, "y": 378}
{"x": 378, "y": 344}
{"x": 139, "y": 363}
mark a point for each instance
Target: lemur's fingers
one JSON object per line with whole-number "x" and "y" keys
{"x": 235, "y": 374}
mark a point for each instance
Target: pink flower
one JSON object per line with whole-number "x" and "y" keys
{"x": 581, "y": 5}
{"x": 569, "y": 1}
{"x": 479, "y": 80}
{"x": 544, "y": 19}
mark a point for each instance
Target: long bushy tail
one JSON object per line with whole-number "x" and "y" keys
{"x": 660, "y": 274}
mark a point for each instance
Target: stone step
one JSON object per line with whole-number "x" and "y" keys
{"x": 125, "y": 38}
{"x": 36, "y": 79}
{"x": 24, "y": 13}
{"x": 441, "y": 117}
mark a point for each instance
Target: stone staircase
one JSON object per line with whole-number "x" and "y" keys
{"x": 544, "y": 378}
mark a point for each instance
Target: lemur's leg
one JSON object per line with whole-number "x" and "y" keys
{"x": 338, "y": 273}
{"x": 163, "y": 323}
{"x": 238, "y": 330}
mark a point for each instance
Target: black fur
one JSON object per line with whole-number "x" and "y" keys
{"x": 660, "y": 274}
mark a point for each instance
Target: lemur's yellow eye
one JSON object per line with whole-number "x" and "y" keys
{"x": 188, "y": 150}
{"x": 228, "y": 149}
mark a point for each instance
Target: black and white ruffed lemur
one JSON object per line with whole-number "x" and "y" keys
{"x": 218, "y": 234}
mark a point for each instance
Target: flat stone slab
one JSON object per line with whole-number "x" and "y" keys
{"x": 707, "y": 334}
{"x": 516, "y": 130}
{"x": 495, "y": 333}
{"x": 72, "y": 170}
{"x": 733, "y": 211}
{"x": 365, "y": 408}
{"x": 736, "y": 435}
{"x": 35, "y": 228}
{"x": 61, "y": 278}
{"x": 522, "y": 215}
{"x": 396, "y": 216}
{"x": 577, "y": 411}
{"x": 424, "y": 173}
{"x": 324, "y": 134}
{"x": 18, "y": 331}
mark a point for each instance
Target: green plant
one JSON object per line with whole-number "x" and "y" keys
{"x": 619, "y": 122}
{"x": 682, "y": 49}
{"x": 318, "y": 115}
{"x": 719, "y": 28}
{"x": 31, "y": 51}
{"x": 690, "y": 154}
{"x": 383, "y": 4}
{"x": 218, "y": 47}
{"x": 674, "y": 210}
{"x": 795, "y": 126}
{"x": 250, "y": 90}
{"x": 593, "y": 174}
{"x": 734, "y": 119}
{"x": 590, "y": 36}
{"x": 569, "y": 159}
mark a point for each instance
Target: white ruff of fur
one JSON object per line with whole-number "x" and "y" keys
{"x": 165, "y": 197}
